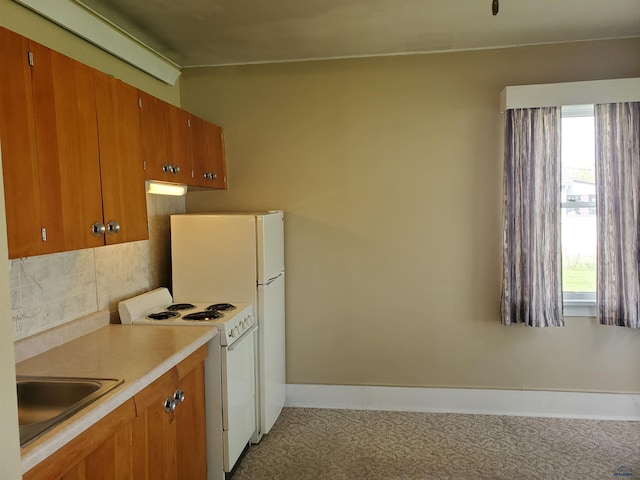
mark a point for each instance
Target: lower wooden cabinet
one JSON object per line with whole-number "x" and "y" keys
{"x": 140, "y": 440}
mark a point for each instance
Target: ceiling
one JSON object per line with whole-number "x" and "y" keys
{"x": 223, "y": 32}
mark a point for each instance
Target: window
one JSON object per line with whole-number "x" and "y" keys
{"x": 578, "y": 210}
{"x": 559, "y": 223}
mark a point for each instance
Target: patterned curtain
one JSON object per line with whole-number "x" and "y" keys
{"x": 531, "y": 266}
{"x": 617, "y": 129}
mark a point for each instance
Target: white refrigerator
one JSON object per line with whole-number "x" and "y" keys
{"x": 239, "y": 257}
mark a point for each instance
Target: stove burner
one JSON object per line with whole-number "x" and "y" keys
{"x": 162, "y": 315}
{"x": 203, "y": 316}
{"x": 221, "y": 306}
{"x": 180, "y": 306}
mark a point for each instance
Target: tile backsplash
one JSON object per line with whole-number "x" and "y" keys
{"x": 49, "y": 290}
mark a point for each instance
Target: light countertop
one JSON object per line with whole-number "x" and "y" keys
{"x": 137, "y": 354}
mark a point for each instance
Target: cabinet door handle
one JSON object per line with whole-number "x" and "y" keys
{"x": 170, "y": 405}
{"x": 178, "y": 396}
{"x": 113, "y": 227}
{"x": 98, "y": 229}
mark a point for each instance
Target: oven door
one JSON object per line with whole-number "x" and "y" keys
{"x": 238, "y": 396}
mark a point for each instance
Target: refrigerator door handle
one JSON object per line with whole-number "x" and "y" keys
{"x": 273, "y": 279}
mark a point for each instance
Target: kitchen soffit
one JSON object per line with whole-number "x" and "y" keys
{"x": 195, "y": 33}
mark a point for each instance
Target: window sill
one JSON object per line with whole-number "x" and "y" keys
{"x": 579, "y": 308}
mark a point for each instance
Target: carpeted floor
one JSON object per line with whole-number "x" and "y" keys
{"x": 315, "y": 444}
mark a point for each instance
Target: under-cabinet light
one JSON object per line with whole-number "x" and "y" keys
{"x": 165, "y": 188}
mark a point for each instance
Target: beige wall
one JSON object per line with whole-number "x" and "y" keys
{"x": 390, "y": 174}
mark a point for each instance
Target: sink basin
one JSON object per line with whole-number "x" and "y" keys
{"x": 43, "y": 402}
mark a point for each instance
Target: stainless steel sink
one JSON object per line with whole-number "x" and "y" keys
{"x": 43, "y": 402}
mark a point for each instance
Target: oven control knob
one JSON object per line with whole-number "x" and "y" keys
{"x": 235, "y": 331}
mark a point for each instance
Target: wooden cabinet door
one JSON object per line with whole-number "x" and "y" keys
{"x": 207, "y": 154}
{"x": 18, "y": 148}
{"x": 216, "y": 155}
{"x": 179, "y": 143}
{"x": 165, "y": 140}
{"x": 105, "y": 451}
{"x": 121, "y": 160}
{"x": 199, "y": 160}
{"x": 153, "y": 124}
{"x": 174, "y": 445}
{"x": 67, "y": 143}
{"x": 191, "y": 439}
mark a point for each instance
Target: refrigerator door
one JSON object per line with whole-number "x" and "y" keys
{"x": 270, "y": 237}
{"x": 213, "y": 258}
{"x": 271, "y": 351}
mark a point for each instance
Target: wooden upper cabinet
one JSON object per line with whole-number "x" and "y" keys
{"x": 68, "y": 155}
{"x": 207, "y": 154}
{"x": 18, "y": 148}
{"x": 165, "y": 140}
{"x": 121, "y": 160}
{"x": 179, "y": 143}
{"x": 153, "y": 128}
{"x": 217, "y": 157}
{"x": 77, "y": 146}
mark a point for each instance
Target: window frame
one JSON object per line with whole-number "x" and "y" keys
{"x": 578, "y": 304}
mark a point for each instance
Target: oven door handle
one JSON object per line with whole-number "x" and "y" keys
{"x": 252, "y": 329}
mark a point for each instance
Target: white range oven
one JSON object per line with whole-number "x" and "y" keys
{"x": 230, "y": 377}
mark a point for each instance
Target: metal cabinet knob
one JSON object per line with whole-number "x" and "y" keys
{"x": 211, "y": 175}
{"x": 178, "y": 396}
{"x": 168, "y": 168}
{"x": 113, "y": 227}
{"x": 170, "y": 405}
{"x": 98, "y": 229}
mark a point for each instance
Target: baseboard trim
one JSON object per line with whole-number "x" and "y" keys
{"x": 601, "y": 406}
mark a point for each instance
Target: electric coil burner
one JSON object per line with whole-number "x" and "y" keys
{"x": 163, "y": 315}
{"x": 221, "y": 306}
{"x": 207, "y": 315}
{"x": 180, "y": 306}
